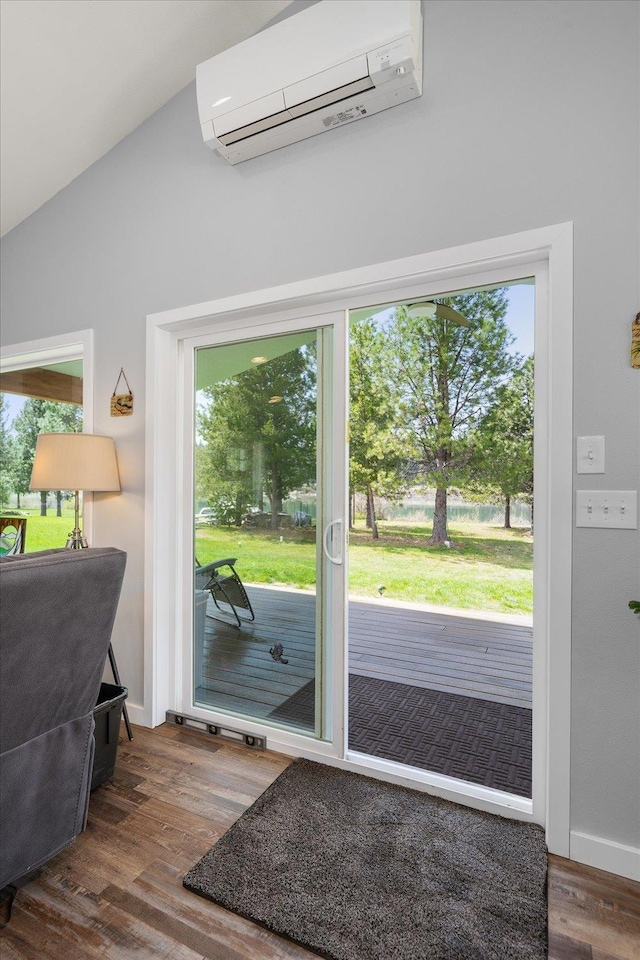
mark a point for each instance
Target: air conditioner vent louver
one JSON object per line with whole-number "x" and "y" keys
{"x": 299, "y": 110}
{"x": 283, "y": 84}
{"x": 252, "y": 128}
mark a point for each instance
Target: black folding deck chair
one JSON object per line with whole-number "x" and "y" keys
{"x": 225, "y": 587}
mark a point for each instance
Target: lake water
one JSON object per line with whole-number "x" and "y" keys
{"x": 421, "y": 511}
{"x": 477, "y": 512}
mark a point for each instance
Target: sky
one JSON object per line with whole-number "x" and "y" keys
{"x": 520, "y": 316}
{"x": 12, "y": 405}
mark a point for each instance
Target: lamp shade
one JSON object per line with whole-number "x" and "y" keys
{"x": 75, "y": 461}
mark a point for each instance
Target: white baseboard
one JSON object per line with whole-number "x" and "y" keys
{"x": 605, "y": 855}
{"x": 136, "y": 713}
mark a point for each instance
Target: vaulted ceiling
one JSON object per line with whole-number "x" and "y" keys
{"x": 79, "y": 75}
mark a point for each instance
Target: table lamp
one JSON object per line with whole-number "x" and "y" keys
{"x": 75, "y": 461}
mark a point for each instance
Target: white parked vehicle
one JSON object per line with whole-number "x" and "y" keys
{"x": 205, "y": 517}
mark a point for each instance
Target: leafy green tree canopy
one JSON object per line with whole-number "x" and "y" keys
{"x": 6, "y": 454}
{"x": 38, "y": 416}
{"x": 449, "y": 375}
{"x": 377, "y": 440}
{"x": 258, "y": 432}
{"x": 503, "y": 443}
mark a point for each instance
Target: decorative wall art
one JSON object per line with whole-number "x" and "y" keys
{"x": 635, "y": 342}
{"x": 121, "y": 403}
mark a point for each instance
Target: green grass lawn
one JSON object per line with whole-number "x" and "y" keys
{"x": 45, "y": 533}
{"x": 486, "y": 568}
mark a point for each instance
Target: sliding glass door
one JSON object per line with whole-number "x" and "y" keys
{"x": 439, "y": 609}
{"x": 264, "y": 533}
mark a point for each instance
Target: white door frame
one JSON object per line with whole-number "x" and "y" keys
{"x": 480, "y": 263}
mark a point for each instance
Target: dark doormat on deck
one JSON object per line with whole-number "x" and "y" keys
{"x": 475, "y": 740}
{"x": 357, "y": 869}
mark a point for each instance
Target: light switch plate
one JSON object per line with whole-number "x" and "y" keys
{"x": 617, "y": 509}
{"x": 589, "y": 454}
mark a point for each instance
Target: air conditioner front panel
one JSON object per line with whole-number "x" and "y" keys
{"x": 323, "y": 36}
{"x": 286, "y": 116}
{"x": 328, "y": 80}
{"x": 341, "y": 114}
{"x": 305, "y": 127}
{"x": 331, "y": 64}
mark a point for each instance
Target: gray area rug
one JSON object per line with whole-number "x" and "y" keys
{"x": 357, "y": 869}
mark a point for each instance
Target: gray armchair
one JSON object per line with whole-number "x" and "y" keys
{"x": 58, "y": 609}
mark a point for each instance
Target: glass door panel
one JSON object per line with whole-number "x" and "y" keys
{"x": 441, "y": 543}
{"x": 258, "y": 530}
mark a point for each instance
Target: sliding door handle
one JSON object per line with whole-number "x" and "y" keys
{"x": 328, "y": 532}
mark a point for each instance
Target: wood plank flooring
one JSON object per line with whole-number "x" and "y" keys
{"x": 483, "y": 658}
{"x": 593, "y": 915}
{"x": 116, "y": 893}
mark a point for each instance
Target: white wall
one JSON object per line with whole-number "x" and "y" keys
{"x": 529, "y": 117}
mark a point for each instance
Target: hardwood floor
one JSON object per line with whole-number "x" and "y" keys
{"x": 593, "y": 915}
{"x": 116, "y": 893}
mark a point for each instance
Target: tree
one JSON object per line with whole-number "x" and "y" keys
{"x": 39, "y": 416}
{"x": 504, "y": 442}
{"x": 6, "y": 454}
{"x": 223, "y": 478}
{"x": 376, "y": 445}
{"x": 449, "y": 375}
{"x": 258, "y": 432}
{"x": 26, "y": 428}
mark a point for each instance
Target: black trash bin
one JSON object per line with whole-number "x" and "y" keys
{"x": 107, "y": 715}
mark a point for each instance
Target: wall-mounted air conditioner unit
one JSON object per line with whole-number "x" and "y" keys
{"x": 332, "y": 63}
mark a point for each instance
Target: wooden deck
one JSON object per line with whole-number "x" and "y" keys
{"x": 483, "y": 658}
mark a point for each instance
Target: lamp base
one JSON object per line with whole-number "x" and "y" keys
{"x": 76, "y": 541}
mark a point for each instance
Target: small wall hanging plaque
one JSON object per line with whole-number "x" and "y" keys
{"x": 635, "y": 342}
{"x": 121, "y": 403}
